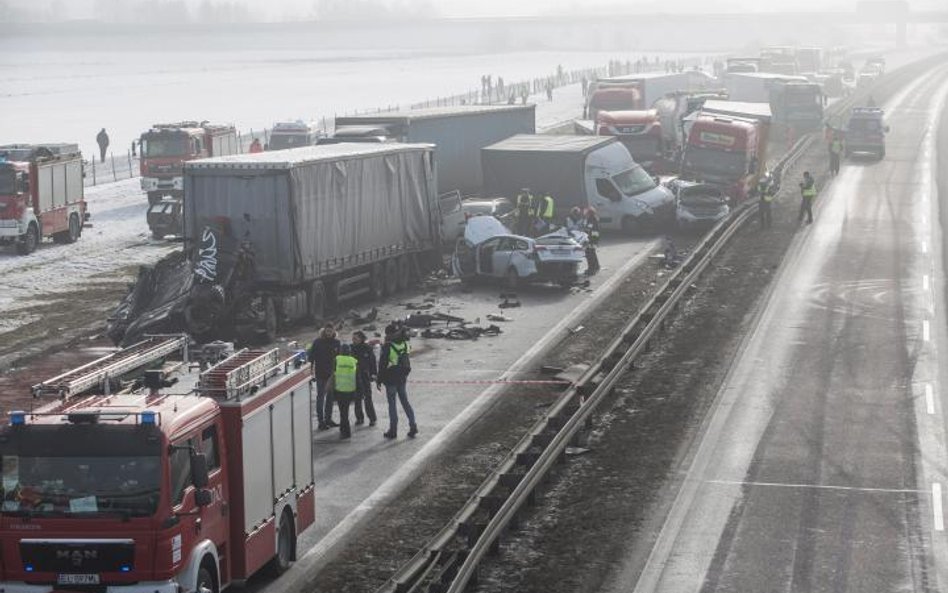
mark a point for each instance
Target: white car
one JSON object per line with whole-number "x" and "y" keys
{"x": 698, "y": 205}
{"x": 489, "y": 250}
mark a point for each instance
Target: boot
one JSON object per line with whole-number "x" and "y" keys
{"x": 412, "y": 432}
{"x": 390, "y": 434}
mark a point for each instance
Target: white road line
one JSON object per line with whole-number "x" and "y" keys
{"x": 815, "y": 486}
{"x": 925, "y": 282}
{"x": 937, "y": 508}
{"x": 929, "y": 398}
{"x": 926, "y": 330}
{"x": 924, "y": 246}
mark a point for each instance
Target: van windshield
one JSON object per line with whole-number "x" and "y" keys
{"x": 634, "y": 181}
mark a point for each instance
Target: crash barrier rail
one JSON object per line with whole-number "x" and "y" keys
{"x": 449, "y": 561}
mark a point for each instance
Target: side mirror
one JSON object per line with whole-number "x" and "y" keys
{"x": 203, "y": 497}
{"x": 199, "y": 475}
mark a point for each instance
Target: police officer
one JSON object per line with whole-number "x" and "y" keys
{"x": 807, "y": 196}
{"x": 524, "y": 211}
{"x": 766, "y": 192}
{"x": 344, "y": 385}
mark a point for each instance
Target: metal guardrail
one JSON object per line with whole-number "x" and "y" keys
{"x": 449, "y": 560}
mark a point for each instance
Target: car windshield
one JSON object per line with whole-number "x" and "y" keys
{"x": 281, "y": 141}
{"x": 715, "y": 162}
{"x": 165, "y": 145}
{"x": 634, "y": 181}
{"x": 82, "y": 473}
{"x": 7, "y": 181}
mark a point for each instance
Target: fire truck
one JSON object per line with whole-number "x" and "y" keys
{"x": 159, "y": 468}
{"x": 41, "y": 194}
{"x": 166, "y": 147}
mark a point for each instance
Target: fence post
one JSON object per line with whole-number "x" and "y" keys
{"x": 129, "y": 154}
{"x": 112, "y": 158}
{"x": 93, "y": 170}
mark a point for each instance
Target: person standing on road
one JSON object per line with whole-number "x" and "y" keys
{"x": 591, "y": 227}
{"x": 524, "y": 211}
{"x": 322, "y": 357}
{"x": 368, "y": 371}
{"x": 394, "y": 367}
{"x": 344, "y": 386}
{"x": 102, "y": 139}
{"x": 835, "y": 153}
{"x": 807, "y": 196}
{"x": 546, "y": 210}
{"x": 766, "y": 192}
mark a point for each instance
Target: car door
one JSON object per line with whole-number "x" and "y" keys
{"x": 518, "y": 257}
{"x": 485, "y": 257}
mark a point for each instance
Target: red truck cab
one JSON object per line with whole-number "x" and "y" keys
{"x": 194, "y": 477}
{"x": 639, "y": 131}
{"x": 41, "y": 194}
{"x": 166, "y": 147}
{"x": 614, "y": 97}
{"x": 723, "y": 150}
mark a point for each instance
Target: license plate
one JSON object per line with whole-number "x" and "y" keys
{"x": 78, "y": 579}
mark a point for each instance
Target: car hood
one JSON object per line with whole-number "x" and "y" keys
{"x": 481, "y": 228}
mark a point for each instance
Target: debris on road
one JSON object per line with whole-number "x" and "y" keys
{"x": 494, "y": 317}
{"x": 360, "y": 319}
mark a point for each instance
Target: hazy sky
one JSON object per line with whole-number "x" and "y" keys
{"x": 290, "y": 9}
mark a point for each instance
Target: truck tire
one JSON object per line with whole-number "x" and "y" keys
{"x": 391, "y": 276}
{"x": 30, "y": 240}
{"x": 75, "y": 229}
{"x": 205, "y": 580}
{"x": 154, "y": 197}
{"x": 404, "y": 272}
{"x": 317, "y": 302}
{"x": 377, "y": 281}
{"x": 286, "y": 546}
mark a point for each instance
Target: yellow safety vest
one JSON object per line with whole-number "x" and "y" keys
{"x": 810, "y": 192}
{"x": 394, "y": 351}
{"x": 344, "y": 379}
{"x": 768, "y": 196}
{"x": 546, "y": 210}
{"x": 836, "y": 147}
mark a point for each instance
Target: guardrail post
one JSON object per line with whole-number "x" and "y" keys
{"x": 112, "y": 158}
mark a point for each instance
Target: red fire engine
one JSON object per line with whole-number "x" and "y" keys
{"x": 158, "y": 469}
{"x": 41, "y": 194}
{"x": 166, "y": 147}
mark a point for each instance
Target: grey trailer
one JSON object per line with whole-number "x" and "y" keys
{"x": 459, "y": 133}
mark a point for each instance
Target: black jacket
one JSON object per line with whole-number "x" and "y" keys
{"x": 322, "y": 356}
{"x": 365, "y": 354}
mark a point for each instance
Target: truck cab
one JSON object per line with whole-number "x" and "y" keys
{"x": 614, "y": 97}
{"x": 292, "y": 135}
{"x": 865, "y": 131}
{"x": 639, "y": 131}
{"x": 166, "y": 147}
{"x": 798, "y": 104}
{"x": 175, "y": 481}
{"x": 723, "y": 150}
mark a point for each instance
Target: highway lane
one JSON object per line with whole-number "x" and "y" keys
{"x": 823, "y": 464}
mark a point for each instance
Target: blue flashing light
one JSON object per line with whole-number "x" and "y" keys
{"x": 17, "y": 418}
{"x": 125, "y": 568}
{"x": 28, "y": 567}
{"x": 149, "y": 417}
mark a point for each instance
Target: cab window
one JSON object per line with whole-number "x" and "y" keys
{"x": 607, "y": 190}
{"x": 210, "y": 449}
{"x": 180, "y": 470}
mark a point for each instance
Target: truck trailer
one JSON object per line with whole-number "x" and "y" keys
{"x": 159, "y": 468}
{"x": 581, "y": 171}
{"x": 41, "y": 195}
{"x": 276, "y": 237}
{"x": 458, "y": 133}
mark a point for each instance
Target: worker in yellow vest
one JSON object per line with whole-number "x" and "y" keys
{"x": 807, "y": 195}
{"x": 344, "y": 385}
{"x": 545, "y": 210}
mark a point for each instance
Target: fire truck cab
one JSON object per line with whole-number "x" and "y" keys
{"x": 41, "y": 194}
{"x": 158, "y": 469}
{"x": 166, "y": 147}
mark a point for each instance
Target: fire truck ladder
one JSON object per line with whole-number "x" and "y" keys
{"x": 98, "y": 372}
{"x": 240, "y": 374}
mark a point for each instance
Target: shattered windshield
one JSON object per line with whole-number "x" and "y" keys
{"x": 634, "y": 181}
{"x": 715, "y": 162}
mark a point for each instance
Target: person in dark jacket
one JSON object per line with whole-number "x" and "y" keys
{"x": 102, "y": 139}
{"x": 591, "y": 226}
{"x": 393, "y": 373}
{"x": 368, "y": 372}
{"x": 322, "y": 358}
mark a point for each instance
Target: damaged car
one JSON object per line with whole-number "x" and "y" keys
{"x": 699, "y": 205}
{"x": 489, "y": 250}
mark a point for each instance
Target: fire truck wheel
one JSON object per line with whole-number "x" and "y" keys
{"x": 29, "y": 242}
{"x": 285, "y": 543}
{"x": 72, "y": 235}
{"x": 205, "y": 581}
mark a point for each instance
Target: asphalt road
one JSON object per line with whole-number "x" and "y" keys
{"x": 823, "y": 464}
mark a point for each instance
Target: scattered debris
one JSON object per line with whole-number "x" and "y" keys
{"x": 573, "y": 451}
{"x": 462, "y": 333}
{"x": 577, "y": 329}
{"x": 419, "y": 307}
{"x": 427, "y": 319}
{"x": 508, "y": 304}
{"x": 360, "y": 319}
{"x": 493, "y": 317}
{"x": 551, "y": 370}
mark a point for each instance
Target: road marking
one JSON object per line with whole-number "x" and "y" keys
{"x": 926, "y": 330}
{"x": 929, "y": 398}
{"x": 925, "y": 282}
{"x": 816, "y": 486}
{"x": 936, "y": 507}
{"x": 924, "y": 246}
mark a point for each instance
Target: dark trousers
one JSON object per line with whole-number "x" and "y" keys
{"x": 766, "y": 214}
{"x": 592, "y": 260}
{"x": 834, "y": 163}
{"x": 393, "y": 390}
{"x": 102, "y": 150}
{"x": 343, "y": 400}
{"x": 363, "y": 397}
{"x": 324, "y": 401}
{"x": 806, "y": 207}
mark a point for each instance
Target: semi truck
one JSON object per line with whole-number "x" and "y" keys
{"x": 727, "y": 146}
{"x": 166, "y": 147}
{"x": 292, "y": 134}
{"x": 273, "y": 238}
{"x": 636, "y": 92}
{"x": 582, "y": 171}
{"x": 459, "y": 133}
{"x": 41, "y": 195}
{"x": 795, "y": 101}
{"x": 160, "y": 468}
